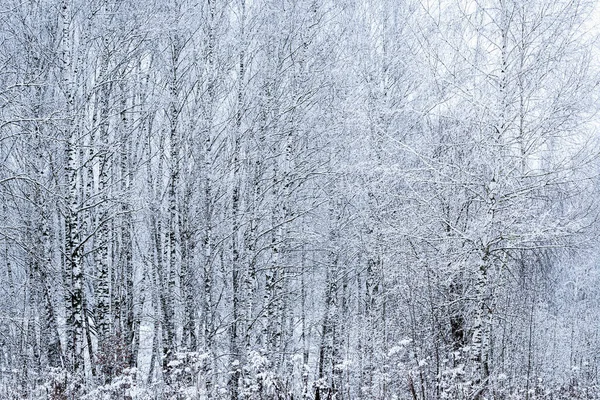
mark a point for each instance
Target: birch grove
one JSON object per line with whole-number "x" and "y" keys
{"x": 299, "y": 199}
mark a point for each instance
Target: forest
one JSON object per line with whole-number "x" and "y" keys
{"x": 299, "y": 199}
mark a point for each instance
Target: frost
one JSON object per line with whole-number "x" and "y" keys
{"x": 343, "y": 366}
{"x": 456, "y": 371}
{"x": 395, "y": 350}
{"x": 356, "y": 199}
